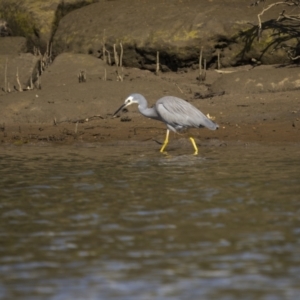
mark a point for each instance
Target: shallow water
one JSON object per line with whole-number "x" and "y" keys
{"x": 106, "y": 222}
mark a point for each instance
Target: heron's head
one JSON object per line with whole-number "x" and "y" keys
{"x": 128, "y": 101}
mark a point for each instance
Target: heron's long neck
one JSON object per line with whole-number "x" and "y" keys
{"x": 146, "y": 111}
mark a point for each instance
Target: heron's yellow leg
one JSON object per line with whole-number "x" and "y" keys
{"x": 165, "y": 142}
{"x": 194, "y": 145}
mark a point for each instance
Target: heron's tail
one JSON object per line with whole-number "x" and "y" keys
{"x": 209, "y": 124}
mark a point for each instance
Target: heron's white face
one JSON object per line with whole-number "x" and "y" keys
{"x": 130, "y": 100}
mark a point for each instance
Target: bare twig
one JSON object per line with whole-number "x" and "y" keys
{"x": 219, "y": 62}
{"x": 18, "y": 81}
{"x": 116, "y": 56}
{"x": 31, "y": 83}
{"x": 157, "y": 63}
{"x": 200, "y": 63}
{"x": 104, "y": 74}
{"x": 180, "y": 90}
{"x": 121, "y": 56}
{"x": 204, "y": 67}
{"x": 38, "y": 82}
{"x": 121, "y": 61}
{"x": 5, "y": 76}
{"x": 259, "y": 33}
{"x": 103, "y": 45}
{"x": 50, "y": 53}
{"x": 117, "y": 62}
{"x": 108, "y": 57}
{"x": 82, "y": 76}
{"x": 202, "y": 73}
{"x": 41, "y": 65}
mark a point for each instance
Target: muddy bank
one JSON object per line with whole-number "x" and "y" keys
{"x": 249, "y": 103}
{"x": 66, "y": 112}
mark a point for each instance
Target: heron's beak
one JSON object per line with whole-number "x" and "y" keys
{"x": 119, "y": 109}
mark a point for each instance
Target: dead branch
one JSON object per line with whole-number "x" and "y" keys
{"x": 103, "y": 45}
{"x": 108, "y": 57}
{"x": 18, "y": 81}
{"x": 121, "y": 61}
{"x": 259, "y": 33}
{"x": 219, "y": 62}
{"x": 157, "y": 63}
{"x": 200, "y": 63}
{"x": 82, "y": 76}
{"x": 5, "y": 76}
{"x": 118, "y": 62}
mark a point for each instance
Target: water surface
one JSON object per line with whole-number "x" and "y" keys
{"x": 106, "y": 222}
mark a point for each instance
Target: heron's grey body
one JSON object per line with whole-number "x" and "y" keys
{"x": 176, "y": 113}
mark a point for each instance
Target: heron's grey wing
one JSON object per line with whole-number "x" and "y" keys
{"x": 178, "y": 112}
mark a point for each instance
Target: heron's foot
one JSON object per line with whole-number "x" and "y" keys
{"x": 194, "y": 145}
{"x": 165, "y": 142}
{"x": 165, "y": 153}
{"x": 162, "y": 149}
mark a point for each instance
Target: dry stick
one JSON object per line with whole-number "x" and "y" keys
{"x": 294, "y": 58}
{"x": 116, "y": 61}
{"x": 41, "y": 65}
{"x": 18, "y": 81}
{"x": 157, "y": 63}
{"x": 263, "y": 11}
{"x": 204, "y": 67}
{"x": 31, "y": 83}
{"x": 76, "y": 127}
{"x": 219, "y": 63}
{"x": 47, "y": 48}
{"x": 82, "y": 76}
{"x": 181, "y": 91}
{"x": 200, "y": 63}
{"x": 108, "y": 57}
{"x": 289, "y": 17}
{"x": 103, "y": 46}
{"x": 104, "y": 74}
{"x": 121, "y": 61}
{"x": 5, "y": 76}
{"x": 116, "y": 56}
{"x": 39, "y": 86}
{"x": 50, "y": 53}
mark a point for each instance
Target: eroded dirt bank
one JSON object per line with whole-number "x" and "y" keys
{"x": 72, "y": 113}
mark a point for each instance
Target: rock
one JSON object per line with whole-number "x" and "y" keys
{"x": 177, "y": 29}
{"x": 4, "y": 28}
{"x": 24, "y": 64}
{"x": 228, "y": 27}
{"x": 37, "y": 20}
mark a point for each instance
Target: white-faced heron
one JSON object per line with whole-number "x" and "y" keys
{"x": 176, "y": 113}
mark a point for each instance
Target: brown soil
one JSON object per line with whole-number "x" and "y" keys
{"x": 264, "y": 117}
